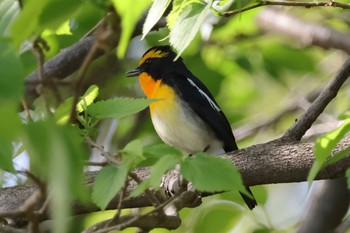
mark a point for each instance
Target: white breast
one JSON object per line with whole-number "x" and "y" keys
{"x": 180, "y": 127}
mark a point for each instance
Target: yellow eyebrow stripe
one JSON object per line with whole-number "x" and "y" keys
{"x": 153, "y": 54}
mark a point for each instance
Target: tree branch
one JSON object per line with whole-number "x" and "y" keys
{"x": 306, "y": 32}
{"x": 288, "y": 3}
{"x": 329, "y": 204}
{"x": 62, "y": 65}
{"x": 297, "y": 131}
{"x": 277, "y": 161}
{"x": 70, "y": 59}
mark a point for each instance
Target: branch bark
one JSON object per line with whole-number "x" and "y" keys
{"x": 274, "y": 162}
{"x": 70, "y": 59}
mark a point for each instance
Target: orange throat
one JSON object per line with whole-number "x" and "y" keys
{"x": 155, "y": 89}
{"x": 148, "y": 84}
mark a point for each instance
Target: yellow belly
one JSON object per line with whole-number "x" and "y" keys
{"x": 178, "y": 125}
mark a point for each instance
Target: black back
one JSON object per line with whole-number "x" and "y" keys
{"x": 216, "y": 120}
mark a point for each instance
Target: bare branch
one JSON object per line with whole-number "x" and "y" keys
{"x": 327, "y": 207}
{"x": 297, "y": 131}
{"x": 288, "y": 3}
{"x": 305, "y": 32}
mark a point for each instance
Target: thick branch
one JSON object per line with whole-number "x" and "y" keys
{"x": 62, "y": 65}
{"x": 272, "y": 162}
{"x": 70, "y": 59}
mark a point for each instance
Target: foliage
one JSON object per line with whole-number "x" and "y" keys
{"x": 324, "y": 147}
{"x": 108, "y": 183}
{"x": 254, "y": 75}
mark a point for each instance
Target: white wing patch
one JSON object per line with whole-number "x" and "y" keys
{"x": 211, "y": 102}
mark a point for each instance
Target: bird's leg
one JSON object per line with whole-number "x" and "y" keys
{"x": 206, "y": 148}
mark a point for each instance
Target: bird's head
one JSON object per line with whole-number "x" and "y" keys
{"x": 156, "y": 62}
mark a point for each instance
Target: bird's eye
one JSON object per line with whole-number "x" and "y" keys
{"x": 148, "y": 61}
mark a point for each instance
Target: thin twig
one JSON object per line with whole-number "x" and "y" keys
{"x": 96, "y": 164}
{"x": 125, "y": 224}
{"x": 41, "y": 184}
{"x": 115, "y": 159}
{"x": 288, "y": 3}
{"x": 12, "y": 214}
{"x": 115, "y": 218}
{"x": 297, "y": 131}
{"x": 79, "y": 83}
{"x": 41, "y": 59}
{"x": 7, "y": 229}
{"x": 26, "y": 108}
{"x": 111, "y": 157}
{"x": 150, "y": 195}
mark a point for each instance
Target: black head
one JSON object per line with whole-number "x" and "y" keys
{"x": 157, "y": 61}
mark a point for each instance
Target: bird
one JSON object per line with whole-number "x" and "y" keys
{"x": 186, "y": 116}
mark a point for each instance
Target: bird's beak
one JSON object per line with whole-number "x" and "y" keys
{"x": 133, "y": 73}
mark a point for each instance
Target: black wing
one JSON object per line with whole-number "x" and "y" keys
{"x": 197, "y": 95}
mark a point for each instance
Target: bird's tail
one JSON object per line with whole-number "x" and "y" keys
{"x": 251, "y": 202}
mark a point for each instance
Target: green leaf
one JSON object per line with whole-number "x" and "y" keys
{"x": 8, "y": 11}
{"x": 63, "y": 29}
{"x": 117, "y": 107}
{"x": 177, "y": 7}
{"x": 11, "y": 73}
{"x": 162, "y": 166}
{"x": 6, "y": 155}
{"x": 324, "y": 146}
{"x": 10, "y": 127}
{"x": 129, "y": 12}
{"x": 153, "y": 153}
{"x": 224, "y": 2}
{"x": 338, "y": 156}
{"x": 62, "y": 113}
{"x": 36, "y": 16}
{"x": 108, "y": 183}
{"x": 57, "y": 156}
{"x": 211, "y": 174}
{"x": 344, "y": 116}
{"x": 217, "y": 213}
{"x": 140, "y": 188}
{"x": 88, "y": 98}
{"x": 10, "y": 122}
{"x": 132, "y": 153}
{"x": 154, "y": 14}
{"x": 133, "y": 147}
{"x": 188, "y": 23}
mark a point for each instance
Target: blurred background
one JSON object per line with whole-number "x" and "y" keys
{"x": 264, "y": 67}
